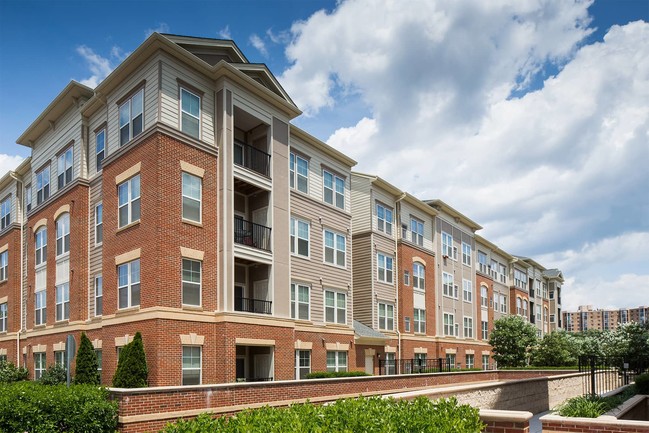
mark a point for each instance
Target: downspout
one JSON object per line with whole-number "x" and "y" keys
{"x": 22, "y": 279}
{"x": 396, "y": 272}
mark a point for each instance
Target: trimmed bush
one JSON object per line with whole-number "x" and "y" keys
{"x": 594, "y": 406}
{"x": 54, "y": 375}
{"x": 358, "y": 415}
{"x": 87, "y": 367}
{"x": 9, "y": 373}
{"x": 330, "y": 374}
{"x": 35, "y": 408}
{"x": 131, "y": 371}
{"x": 642, "y": 383}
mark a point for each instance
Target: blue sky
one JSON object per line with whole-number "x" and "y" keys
{"x": 551, "y": 94}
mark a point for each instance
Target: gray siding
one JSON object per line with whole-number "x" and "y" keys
{"x": 361, "y": 206}
{"x": 94, "y": 251}
{"x": 363, "y": 274}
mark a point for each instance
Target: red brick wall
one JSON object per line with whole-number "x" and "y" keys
{"x": 11, "y": 287}
{"x": 591, "y": 426}
{"x": 406, "y": 253}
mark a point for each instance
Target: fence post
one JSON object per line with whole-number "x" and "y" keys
{"x": 592, "y": 376}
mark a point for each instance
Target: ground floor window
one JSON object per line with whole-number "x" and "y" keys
{"x": 302, "y": 363}
{"x": 39, "y": 365}
{"x": 390, "y": 364}
{"x": 3, "y": 358}
{"x": 470, "y": 360}
{"x": 191, "y": 365}
{"x": 420, "y": 361}
{"x": 485, "y": 362}
{"x": 99, "y": 363}
{"x": 59, "y": 358}
{"x": 450, "y": 360}
{"x": 336, "y": 361}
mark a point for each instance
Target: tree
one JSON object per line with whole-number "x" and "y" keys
{"x": 557, "y": 349}
{"x": 629, "y": 341}
{"x": 54, "y": 375}
{"x": 512, "y": 340}
{"x": 87, "y": 367}
{"x": 131, "y": 371}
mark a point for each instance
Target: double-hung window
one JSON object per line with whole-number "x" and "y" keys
{"x": 192, "y": 186}
{"x": 383, "y": 219}
{"x": 334, "y": 248}
{"x": 485, "y": 330}
{"x": 420, "y": 320}
{"x": 470, "y": 360}
{"x": 447, "y": 285}
{"x": 496, "y": 303}
{"x": 100, "y": 148}
{"x": 191, "y": 281}
{"x": 417, "y": 231}
{"x": 39, "y": 365}
{"x": 406, "y": 278}
{"x": 99, "y": 224}
{"x": 4, "y": 265}
{"x": 384, "y": 268}
{"x": 99, "y": 295}
{"x": 466, "y": 254}
{"x": 467, "y": 290}
{"x": 299, "y": 173}
{"x": 449, "y": 324}
{"x": 386, "y": 316}
{"x": 503, "y": 273}
{"x": 129, "y": 201}
{"x": 131, "y": 117}
{"x": 28, "y": 197}
{"x": 335, "y": 307}
{"x": 447, "y": 245}
{"x": 63, "y": 301}
{"x": 520, "y": 279}
{"x": 336, "y": 360}
{"x": 41, "y": 246}
{"x": 300, "y": 301}
{"x": 3, "y": 317}
{"x": 63, "y": 234}
{"x": 5, "y": 213}
{"x": 128, "y": 284}
{"x": 42, "y": 185}
{"x": 40, "y": 295}
{"x": 190, "y": 107}
{"x": 468, "y": 327}
{"x": 300, "y": 231}
{"x": 482, "y": 262}
{"x": 64, "y": 168}
{"x": 484, "y": 297}
{"x": 191, "y": 365}
{"x": 302, "y": 363}
{"x": 59, "y": 358}
{"x": 334, "y": 190}
{"x": 503, "y": 303}
{"x": 418, "y": 276}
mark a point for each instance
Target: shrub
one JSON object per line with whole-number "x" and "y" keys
{"x": 10, "y": 373}
{"x": 87, "y": 367}
{"x": 358, "y": 415}
{"x": 32, "y": 407}
{"x": 642, "y": 383}
{"x": 54, "y": 375}
{"x": 131, "y": 367}
{"x": 330, "y": 374}
{"x": 583, "y": 407}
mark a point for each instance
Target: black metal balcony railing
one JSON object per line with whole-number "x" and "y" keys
{"x": 249, "y": 157}
{"x": 250, "y": 305}
{"x": 412, "y": 366}
{"x": 251, "y": 234}
{"x": 254, "y": 379}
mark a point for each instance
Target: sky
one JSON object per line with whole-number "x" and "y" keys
{"x": 530, "y": 117}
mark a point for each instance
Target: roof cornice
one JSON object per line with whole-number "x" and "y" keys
{"x": 322, "y": 146}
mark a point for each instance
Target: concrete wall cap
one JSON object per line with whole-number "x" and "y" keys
{"x": 505, "y": 415}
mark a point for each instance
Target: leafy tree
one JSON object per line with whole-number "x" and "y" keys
{"x": 590, "y": 342}
{"x": 87, "y": 367}
{"x": 131, "y": 371}
{"x": 9, "y": 373}
{"x": 54, "y": 375}
{"x": 629, "y": 341}
{"x": 556, "y": 349}
{"x": 512, "y": 340}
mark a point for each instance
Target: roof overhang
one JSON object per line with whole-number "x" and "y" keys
{"x": 380, "y": 183}
{"x": 322, "y": 146}
{"x": 459, "y": 217}
{"x": 494, "y": 247}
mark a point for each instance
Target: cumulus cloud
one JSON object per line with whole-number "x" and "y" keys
{"x": 225, "y": 33}
{"x": 160, "y": 28}
{"x": 259, "y": 44}
{"x": 98, "y": 65}
{"x": 457, "y": 110}
{"x": 9, "y": 162}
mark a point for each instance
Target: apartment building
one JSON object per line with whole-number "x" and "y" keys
{"x": 587, "y": 317}
{"x": 554, "y": 279}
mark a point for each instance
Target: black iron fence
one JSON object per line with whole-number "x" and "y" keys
{"x": 606, "y": 374}
{"x": 414, "y": 366}
{"x": 251, "y": 234}
{"x": 250, "y": 157}
{"x": 250, "y": 305}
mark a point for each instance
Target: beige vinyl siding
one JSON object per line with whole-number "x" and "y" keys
{"x": 385, "y": 292}
{"x": 361, "y": 207}
{"x": 313, "y": 270}
{"x": 148, "y": 72}
{"x": 169, "y": 99}
{"x": 381, "y": 196}
{"x": 94, "y": 252}
{"x": 363, "y": 275}
{"x": 408, "y": 211}
{"x": 97, "y": 119}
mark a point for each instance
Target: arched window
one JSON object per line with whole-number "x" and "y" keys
{"x": 519, "y": 308}
{"x": 418, "y": 276}
{"x": 41, "y": 246}
{"x": 63, "y": 234}
{"x": 484, "y": 296}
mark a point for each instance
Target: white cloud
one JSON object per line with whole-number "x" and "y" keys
{"x": 9, "y": 162}
{"x": 259, "y": 44}
{"x": 98, "y": 65}
{"x": 160, "y": 28}
{"x": 225, "y": 33}
{"x": 281, "y": 37}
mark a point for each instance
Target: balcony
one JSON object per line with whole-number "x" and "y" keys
{"x": 251, "y": 305}
{"x": 251, "y": 234}
{"x": 251, "y": 158}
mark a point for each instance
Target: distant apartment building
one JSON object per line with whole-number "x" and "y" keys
{"x": 587, "y": 317}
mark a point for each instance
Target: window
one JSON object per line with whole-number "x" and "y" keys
{"x": 420, "y": 361}
{"x": 3, "y": 317}
{"x": 299, "y": 173}
{"x": 335, "y": 307}
{"x": 420, "y": 320}
{"x": 40, "y": 296}
{"x": 4, "y": 265}
{"x": 28, "y": 197}
{"x": 503, "y": 272}
{"x": 300, "y": 302}
{"x": 469, "y": 358}
{"x": 100, "y": 362}
{"x": 417, "y": 231}
{"x": 520, "y": 279}
{"x": 467, "y": 290}
{"x": 131, "y": 118}
{"x": 99, "y": 224}
{"x": 39, "y": 365}
{"x": 484, "y": 297}
{"x": 447, "y": 285}
{"x": 406, "y": 323}
{"x": 128, "y": 284}
{"x": 63, "y": 302}
{"x": 485, "y": 362}
{"x": 59, "y": 358}
{"x": 336, "y": 361}
{"x": 485, "y": 330}
{"x": 503, "y": 303}
{"x": 99, "y": 295}
{"x": 466, "y": 254}
{"x": 383, "y": 219}
{"x": 334, "y": 190}
{"x": 190, "y": 108}
{"x": 418, "y": 276}
{"x": 129, "y": 201}
{"x": 100, "y": 148}
{"x": 390, "y": 364}
{"x": 449, "y": 324}
{"x": 192, "y": 186}
{"x": 496, "y": 303}
{"x": 404, "y": 231}
{"x": 545, "y": 290}
{"x": 334, "y": 248}
{"x": 552, "y": 319}
{"x": 406, "y": 278}
{"x": 191, "y": 280}
{"x": 385, "y": 264}
{"x": 300, "y": 237}
{"x": 64, "y": 168}
{"x": 386, "y": 316}
{"x": 468, "y": 327}
{"x": 447, "y": 245}
{"x": 519, "y": 306}
{"x": 450, "y": 360}
{"x": 538, "y": 313}
{"x": 303, "y": 363}
{"x": 5, "y": 213}
{"x": 41, "y": 246}
{"x": 546, "y": 313}
{"x": 493, "y": 272}
{"x": 42, "y": 185}
{"x": 482, "y": 262}
{"x": 191, "y": 365}
{"x": 525, "y": 309}
{"x": 63, "y": 234}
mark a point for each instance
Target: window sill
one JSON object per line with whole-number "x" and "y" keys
{"x": 100, "y": 244}
{"x": 192, "y": 307}
{"x": 128, "y": 310}
{"x": 333, "y": 265}
{"x": 192, "y": 223}
{"x": 128, "y": 226}
{"x": 60, "y": 323}
{"x": 41, "y": 326}
{"x": 298, "y": 256}
{"x": 337, "y": 325}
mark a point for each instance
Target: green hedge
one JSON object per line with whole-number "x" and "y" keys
{"x": 329, "y": 374}
{"x": 642, "y": 383}
{"x": 10, "y": 373}
{"x": 361, "y": 415}
{"x": 35, "y": 408}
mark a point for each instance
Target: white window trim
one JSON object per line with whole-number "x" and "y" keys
{"x": 40, "y": 252}
{"x": 335, "y": 307}
{"x": 99, "y": 278}
{"x": 338, "y": 365}
{"x": 295, "y": 301}
{"x": 129, "y": 101}
{"x": 45, "y": 183}
{"x": 200, "y": 368}
{"x": 129, "y": 202}
{"x": 467, "y": 253}
{"x": 298, "y": 367}
{"x": 335, "y": 249}
{"x": 467, "y": 295}
{"x": 450, "y": 325}
{"x": 468, "y": 334}
{"x": 334, "y": 191}
{"x": 384, "y": 326}
{"x": 62, "y": 160}
{"x": 295, "y": 175}
{"x": 386, "y": 223}
{"x": 448, "y": 277}
{"x": 384, "y": 268}
{"x": 416, "y": 237}
{"x": 4, "y": 266}
{"x": 182, "y": 282}
{"x": 4, "y": 314}
{"x": 183, "y": 197}
{"x": 295, "y": 224}
{"x": 97, "y": 152}
{"x": 59, "y": 223}
{"x": 447, "y": 248}
{"x": 5, "y": 213}
{"x": 97, "y": 206}
{"x": 65, "y": 288}
{"x": 421, "y": 278}
{"x": 129, "y": 285}
{"x": 198, "y": 118}
{"x": 422, "y": 320}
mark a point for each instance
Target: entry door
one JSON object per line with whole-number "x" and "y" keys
{"x": 369, "y": 364}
